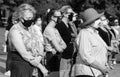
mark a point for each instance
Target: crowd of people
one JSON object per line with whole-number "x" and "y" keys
{"x": 60, "y": 41}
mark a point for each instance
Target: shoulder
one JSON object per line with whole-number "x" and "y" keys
{"x": 60, "y": 25}
{"x": 15, "y": 30}
{"x": 48, "y": 31}
{"x": 83, "y": 31}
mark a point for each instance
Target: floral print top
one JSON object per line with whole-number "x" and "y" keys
{"x": 31, "y": 40}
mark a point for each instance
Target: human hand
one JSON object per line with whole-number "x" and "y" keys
{"x": 105, "y": 70}
{"x": 34, "y": 62}
{"x": 43, "y": 70}
{"x": 38, "y": 58}
{"x": 101, "y": 75}
{"x": 112, "y": 49}
{"x": 53, "y": 52}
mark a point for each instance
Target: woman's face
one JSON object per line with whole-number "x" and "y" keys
{"x": 104, "y": 21}
{"x": 96, "y": 23}
{"x": 39, "y": 21}
{"x": 27, "y": 18}
{"x": 28, "y": 15}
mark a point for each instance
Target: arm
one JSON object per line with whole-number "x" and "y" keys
{"x": 6, "y": 35}
{"x": 17, "y": 42}
{"x": 85, "y": 49}
{"x": 56, "y": 45}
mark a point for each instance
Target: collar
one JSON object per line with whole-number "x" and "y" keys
{"x": 91, "y": 30}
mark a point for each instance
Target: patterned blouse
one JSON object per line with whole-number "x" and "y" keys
{"x": 31, "y": 40}
{"x": 52, "y": 34}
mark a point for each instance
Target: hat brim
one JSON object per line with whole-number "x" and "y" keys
{"x": 92, "y": 19}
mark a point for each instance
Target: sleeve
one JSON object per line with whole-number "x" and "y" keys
{"x": 84, "y": 47}
{"x": 16, "y": 40}
{"x": 48, "y": 40}
{"x": 49, "y": 34}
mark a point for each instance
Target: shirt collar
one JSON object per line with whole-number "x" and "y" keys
{"x": 92, "y": 30}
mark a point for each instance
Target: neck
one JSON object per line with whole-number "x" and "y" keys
{"x": 93, "y": 28}
{"x": 103, "y": 28}
{"x": 65, "y": 20}
{"x": 26, "y": 28}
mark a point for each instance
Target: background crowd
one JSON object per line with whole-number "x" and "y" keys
{"x": 76, "y": 45}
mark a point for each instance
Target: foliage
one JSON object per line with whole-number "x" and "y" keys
{"x": 112, "y": 7}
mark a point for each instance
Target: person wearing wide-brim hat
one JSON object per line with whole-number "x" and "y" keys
{"x": 91, "y": 60}
{"x": 90, "y": 15}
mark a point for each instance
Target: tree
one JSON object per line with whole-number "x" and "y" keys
{"x": 78, "y": 5}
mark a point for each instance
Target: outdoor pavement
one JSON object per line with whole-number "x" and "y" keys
{"x": 113, "y": 73}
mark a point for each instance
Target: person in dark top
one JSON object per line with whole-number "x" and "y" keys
{"x": 65, "y": 32}
{"x": 107, "y": 34}
{"x": 8, "y": 61}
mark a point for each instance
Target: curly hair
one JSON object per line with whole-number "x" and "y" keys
{"x": 18, "y": 14}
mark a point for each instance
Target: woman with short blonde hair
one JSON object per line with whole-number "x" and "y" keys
{"x": 24, "y": 45}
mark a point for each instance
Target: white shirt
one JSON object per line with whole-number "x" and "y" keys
{"x": 91, "y": 47}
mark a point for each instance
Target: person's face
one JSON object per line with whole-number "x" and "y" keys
{"x": 69, "y": 11}
{"x": 116, "y": 22}
{"x": 96, "y": 23}
{"x": 74, "y": 17}
{"x": 28, "y": 15}
{"x": 39, "y": 21}
{"x": 58, "y": 16}
{"x": 27, "y": 18}
{"x": 104, "y": 21}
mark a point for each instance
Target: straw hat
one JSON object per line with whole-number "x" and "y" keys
{"x": 90, "y": 15}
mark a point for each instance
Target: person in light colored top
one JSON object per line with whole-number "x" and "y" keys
{"x": 24, "y": 46}
{"x": 91, "y": 58}
{"x": 54, "y": 44}
{"x": 107, "y": 35}
{"x": 115, "y": 29}
{"x": 36, "y": 31}
{"x": 52, "y": 34}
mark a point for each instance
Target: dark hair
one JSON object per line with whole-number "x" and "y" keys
{"x": 37, "y": 16}
{"x": 50, "y": 14}
{"x": 47, "y": 18}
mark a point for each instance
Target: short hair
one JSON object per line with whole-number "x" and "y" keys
{"x": 18, "y": 14}
{"x": 65, "y": 8}
{"x": 50, "y": 14}
{"x": 37, "y": 16}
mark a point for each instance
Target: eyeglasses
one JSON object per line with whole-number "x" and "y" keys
{"x": 58, "y": 16}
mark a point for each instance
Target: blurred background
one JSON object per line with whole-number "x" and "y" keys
{"x": 110, "y": 7}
